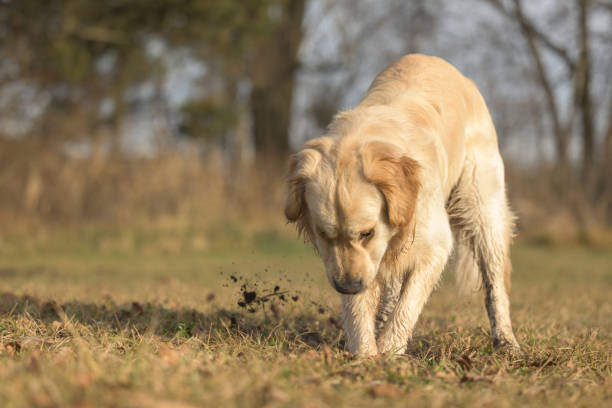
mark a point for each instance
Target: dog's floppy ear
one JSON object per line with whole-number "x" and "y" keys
{"x": 396, "y": 176}
{"x": 302, "y": 166}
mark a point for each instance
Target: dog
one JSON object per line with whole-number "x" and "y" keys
{"x": 400, "y": 183}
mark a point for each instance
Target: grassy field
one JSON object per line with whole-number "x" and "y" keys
{"x": 134, "y": 318}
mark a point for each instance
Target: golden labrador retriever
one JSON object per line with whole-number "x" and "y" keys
{"x": 410, "y": 175}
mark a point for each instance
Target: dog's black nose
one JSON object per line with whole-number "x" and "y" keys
{"x": 348, "y": 286}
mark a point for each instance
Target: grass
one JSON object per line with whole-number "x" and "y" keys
{"x": 151, "y": 318}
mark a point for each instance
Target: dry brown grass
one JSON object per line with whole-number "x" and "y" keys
{"x": 115, "y": 290}
{"x": 41, "y": 187}
{"x": 554, "y": 207}
{"x": 165, "y": 330}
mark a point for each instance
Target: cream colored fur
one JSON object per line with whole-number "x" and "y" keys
{"x": 410, "y": 176}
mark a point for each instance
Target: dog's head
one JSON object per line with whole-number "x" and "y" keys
{"x": 351, "y": 201}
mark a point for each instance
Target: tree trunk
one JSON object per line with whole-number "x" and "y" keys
{"x": 560, "y": 132}
{"x": 271, "y": 110}
{"x": 583, "y": 96}
{"x": 606, "y": 170}
{"x": 273, "y": 77}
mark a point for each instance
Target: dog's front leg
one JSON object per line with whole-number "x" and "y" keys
{"x": 358, "y": 318}
{"x": 395, "y": 334}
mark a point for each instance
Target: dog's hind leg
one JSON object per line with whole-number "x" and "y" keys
{"x": 480, "y": 216}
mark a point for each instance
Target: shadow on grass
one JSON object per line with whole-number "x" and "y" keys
{"x": 308, "y": 326}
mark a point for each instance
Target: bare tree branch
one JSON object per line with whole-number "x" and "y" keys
{"x": 369, "y": 29}
{"x": 527, "y": 25}
{"x": 578, "y": 71}
{"x": 582, "y": 88}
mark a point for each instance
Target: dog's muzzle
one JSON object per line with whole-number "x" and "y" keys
{"x": 349, "y": 287}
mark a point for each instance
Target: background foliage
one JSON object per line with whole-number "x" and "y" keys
{"x": 240, "y": 84}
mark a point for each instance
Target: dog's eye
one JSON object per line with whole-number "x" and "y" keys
{"x": 366, "y": 234}
{"x": 323, "y": 234}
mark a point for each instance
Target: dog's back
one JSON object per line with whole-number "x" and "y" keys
{"x": 461, "y": 115}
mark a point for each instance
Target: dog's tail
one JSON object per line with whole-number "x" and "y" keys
{"x": 467, "y": 274}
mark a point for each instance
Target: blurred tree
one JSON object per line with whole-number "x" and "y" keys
{"x": 272, "y": 71}
{"x": 84, "y": 58}
{"x": 347, "y": 42}
{"x": 576, "y": 59}
{"x": 75, "y": 54}
{"x": 207, "y": 118}
{"x": 257, "y": 40}
{"x": 572, "y": 55}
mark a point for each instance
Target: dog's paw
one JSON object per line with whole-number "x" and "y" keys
{"x": 507, "y": 345}
{"x": 391, "y": 348}
{"x": 367, "y": 351}
{"x": 362, "y": 349}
